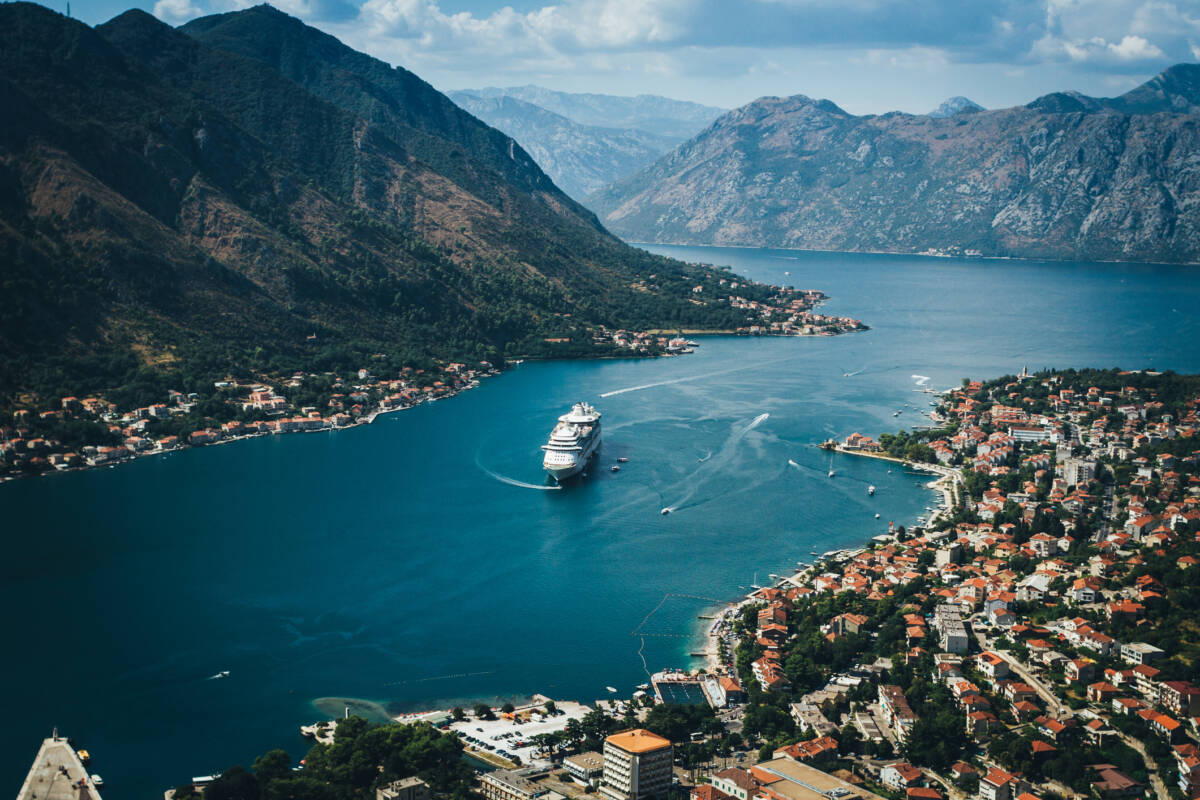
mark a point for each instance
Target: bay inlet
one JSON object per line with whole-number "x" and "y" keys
{"x": 403, "y": 562}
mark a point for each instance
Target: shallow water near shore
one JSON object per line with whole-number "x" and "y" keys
{"x": 399, "y": 563}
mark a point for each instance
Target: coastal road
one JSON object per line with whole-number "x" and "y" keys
{"x": 1151, "y": 767}
{"x": 1052, "y": 702}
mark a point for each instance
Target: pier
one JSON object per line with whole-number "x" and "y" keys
{"x": 58, "y": 774}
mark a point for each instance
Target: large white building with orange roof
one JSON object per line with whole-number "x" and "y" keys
{"x": 637, "y": 765}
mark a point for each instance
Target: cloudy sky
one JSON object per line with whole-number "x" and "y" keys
{"x": 869, "y": 56}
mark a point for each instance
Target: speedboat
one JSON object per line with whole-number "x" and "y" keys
{"x": 871, "y": 490}
{"x": 665, "y": 511}
{"x": 876, "y": 516}
{"x": 614, "y": 468}
{"x": 622, "y": 459}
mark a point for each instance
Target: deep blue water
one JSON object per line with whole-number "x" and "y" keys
{"x": 399, "y": 562}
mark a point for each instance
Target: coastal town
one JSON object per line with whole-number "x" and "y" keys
{"x": 93, "y": 432}
{"x": 1034, "y": 640}
{"x": 67, "y": 433}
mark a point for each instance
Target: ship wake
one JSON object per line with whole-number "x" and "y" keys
{"x": 702, "y": 376}
{"x": 517, "y": 483}
{"x": 702, "y": 475}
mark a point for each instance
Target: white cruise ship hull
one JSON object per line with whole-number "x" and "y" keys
{"x": 562, "y": 466}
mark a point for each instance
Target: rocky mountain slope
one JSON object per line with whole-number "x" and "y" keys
{"x": 580, "y": 159}
{"x": 249, "y": 194}
{"x": 1066, "y": 176}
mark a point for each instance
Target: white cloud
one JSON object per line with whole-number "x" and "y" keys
{"x": 1135, "y": 48}
{"x": 176, "y": 11}
{"x": 576, "y": 24}
{"x": 1130, "y": 48}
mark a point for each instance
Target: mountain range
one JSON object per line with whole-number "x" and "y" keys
{"x": 672, "y": 119}
{"x": 247, "y": 193}
{"x": 580, "y": 159}
{"x": 1065, "y": 177}
{"x": 586, "y": 141}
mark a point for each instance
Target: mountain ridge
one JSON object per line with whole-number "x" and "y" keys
{"x": 655, "y": 114}
{"x": 171, "y": 210}
{"x": 1065, "y": 176}
{"x": 579, "y": 158}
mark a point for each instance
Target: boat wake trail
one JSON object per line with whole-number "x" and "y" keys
{"x": 673, "y": 381}
{"x": 514, "y": 481}
{"x": 921, "y": 379}
{"x": 521, "y": 484}
{"x": 701, "y": 476}
{"x": 794, "y": 464}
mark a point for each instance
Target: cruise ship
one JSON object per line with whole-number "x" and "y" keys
{"x": 573, "y": 441}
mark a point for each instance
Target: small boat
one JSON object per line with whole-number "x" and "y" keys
{"x": 84, "y": 756}
{"x": 611, "y": 689}
{"x": 813, "y": 553}
{"x": 622, "y": 460}
{"x": 876, "y": 516}
{"x": 97, "y": 781}
{"x": 614, "y": 468}
{"x": 222, "y": 674}
{"x": 896, "y": 414}
{"x": 832, "y": 473}
{"x": 665, "y": 511}
{"x": 871, "y": 490}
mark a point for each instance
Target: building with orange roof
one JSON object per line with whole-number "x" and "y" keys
{"x": 637, "y": 765}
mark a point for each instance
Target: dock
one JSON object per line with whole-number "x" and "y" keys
{"x": 58, "y": 774}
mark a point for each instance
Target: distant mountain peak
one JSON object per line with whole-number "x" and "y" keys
{"x": 955, "y": 105}
{"x": 1175, "y": 89}
{"x": 795, "y": 102}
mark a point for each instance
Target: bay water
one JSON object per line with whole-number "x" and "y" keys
{"x": 422, "y": 560}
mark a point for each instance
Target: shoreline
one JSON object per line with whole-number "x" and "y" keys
{"x": 130, "y": 456}
{"x": 949, "y": 478}
{"x": 643, "y": 245}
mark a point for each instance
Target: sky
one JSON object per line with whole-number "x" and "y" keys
{"x": 868, "y": 56}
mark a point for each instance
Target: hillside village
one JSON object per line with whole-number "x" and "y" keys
{"x": 1039, "y": 641}
{"x": 91, "y": 431}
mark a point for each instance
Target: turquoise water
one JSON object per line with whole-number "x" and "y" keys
{"x": 403, "y": 563}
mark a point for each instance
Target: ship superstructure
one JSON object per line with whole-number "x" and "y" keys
{"x": 573, "y": 442}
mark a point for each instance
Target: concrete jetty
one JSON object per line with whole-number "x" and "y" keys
{"x": 58, "y": 774}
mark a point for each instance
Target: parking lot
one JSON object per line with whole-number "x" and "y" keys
{"x": 507, "y": 738}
